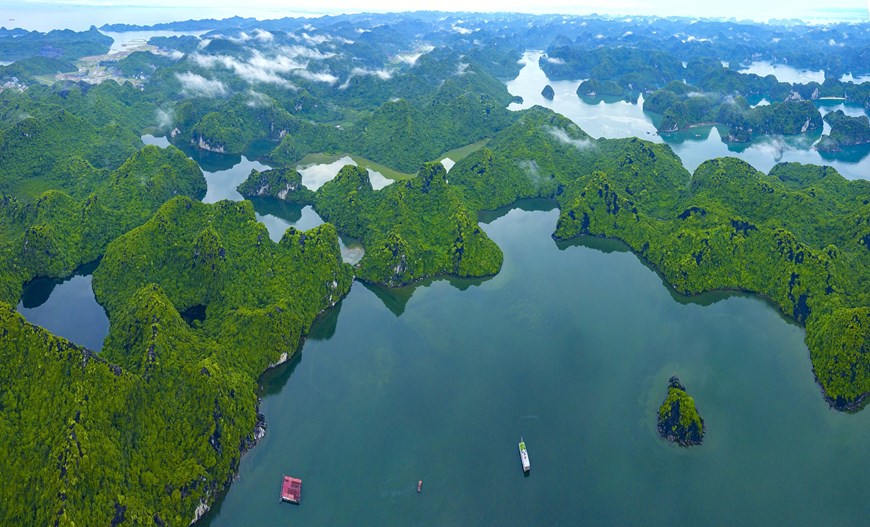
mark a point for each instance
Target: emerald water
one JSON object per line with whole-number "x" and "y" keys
{"x": 570, "y": 347}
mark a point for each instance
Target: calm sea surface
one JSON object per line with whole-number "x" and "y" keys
{"x": 570, "y": 346}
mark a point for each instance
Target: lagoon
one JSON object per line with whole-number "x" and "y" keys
{"x": 68, "y": 307}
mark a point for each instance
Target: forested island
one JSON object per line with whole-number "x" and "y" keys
{"x": 679, "y": 421}
{"x": 150, "y": 429}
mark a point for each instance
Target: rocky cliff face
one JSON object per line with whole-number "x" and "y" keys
{"x": 280, "y": 183}
{"x": 202, "y": 144}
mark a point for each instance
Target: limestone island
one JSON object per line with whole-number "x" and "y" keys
{"x": 279, "y": 183}
{"x": 679, "y": 421}
{"x": 845, "y": 131}
{"x": 548, "y": 92}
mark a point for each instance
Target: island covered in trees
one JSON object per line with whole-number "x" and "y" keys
{"x": 150, "y": 429}
{"x": 679, "y": 421}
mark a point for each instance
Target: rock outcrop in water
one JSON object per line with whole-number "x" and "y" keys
{"x": 679, "y": 421}
{"x": 279, "y": 183}
{"x": 548, "y": 92}
{"x": 845, "y": 131}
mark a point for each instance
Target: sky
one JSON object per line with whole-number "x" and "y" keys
{"x": 79, "y": 14}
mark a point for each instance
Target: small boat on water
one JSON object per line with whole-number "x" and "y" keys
{"x": 420, "y": 486}
{"x": 524, "y": 456}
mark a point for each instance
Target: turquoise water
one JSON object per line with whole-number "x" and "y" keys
{"x": 570, "y": 347}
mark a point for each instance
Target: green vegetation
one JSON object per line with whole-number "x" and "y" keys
{"x": 140, "y": 64}
{"x": 279, "y": 183}
{"x": 400, "y": 134}
{"x": 156, "y": 424}
{"x": 543, "y": 152}
{"x": 678, "y": 419}
{"x": 403, "y": 135}
{"x": 793, "y": 236}
{"x": 410, "y": 230}
{"x": 218, "y": 256}
{"x": 56, "y": 233}
{"x": 62, "y": 44}
{"x": 683, "y": 106}
{"x": 592, "y": 88}
{"x": 633, "y": 70}
{"x": 36, "y": 153}
{"x": 26, "y": 69}
{"x": 798, "y": 236}
{"x": 845, "y": 131}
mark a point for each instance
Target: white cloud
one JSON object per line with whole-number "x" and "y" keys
{"x": 315, "y": 40}
{"x": 411, "y": 57}
{"x": 378, "y": 180}
{"x": 327, "y": 78}
{"x": 530, "y": 167}
{"x": 263, "y": 36}
{"x": 268, "y": 69}
{"x": 563, "y": 137}
{"x": 258, "y": 100}
{"x": 194, "y": 84}
{"x": 164, "y": 119}
{"x": 304, "y": 52}
{"x": 258, "y": 69}
{"x": 382, "y": 74}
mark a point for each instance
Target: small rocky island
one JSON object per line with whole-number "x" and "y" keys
{"x": 548, "y": 92}
{"x": 845, "y": 131}
{"x": 279, "y": 183}
{"x": 679, "y": 421}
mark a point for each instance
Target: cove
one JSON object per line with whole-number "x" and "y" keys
{"x": 68, "y": 307}
{"x": 694, "y": 146}
{"x": 223, "y": 173}
{"x": 570, "y": 346}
